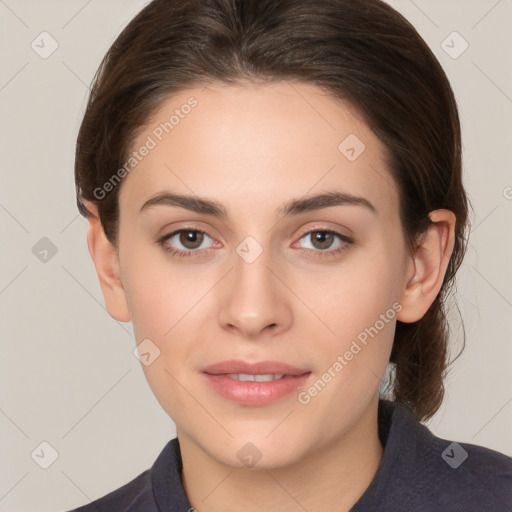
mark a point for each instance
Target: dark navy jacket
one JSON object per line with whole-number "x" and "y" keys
{"x": 419, "y": 472}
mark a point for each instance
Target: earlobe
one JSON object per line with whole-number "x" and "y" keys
{"x": 430, "y": 262}
{"x": 106, "y": 262}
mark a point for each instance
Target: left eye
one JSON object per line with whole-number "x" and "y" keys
{"x": 323, "y": 239}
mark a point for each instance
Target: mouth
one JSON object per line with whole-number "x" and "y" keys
{"x": 265, "y": 377}
{"x": 254, "y": 384}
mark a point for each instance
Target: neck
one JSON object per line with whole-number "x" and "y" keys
{"x": 331, "y": 478}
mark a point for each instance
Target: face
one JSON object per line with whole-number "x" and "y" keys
{"x": 262, "y": 275}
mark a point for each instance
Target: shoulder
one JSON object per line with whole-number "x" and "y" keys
{"x": 134, "y": 496}
{"x": 157, "y": 488}
{"x": 461, "y": 476}
{"x": 422, "y": 472}
{"x": 471, "y": 477}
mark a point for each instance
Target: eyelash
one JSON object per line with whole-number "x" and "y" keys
{"x": 195, "y": 253}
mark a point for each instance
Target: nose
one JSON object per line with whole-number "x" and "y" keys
{"x": 254, "y": 303}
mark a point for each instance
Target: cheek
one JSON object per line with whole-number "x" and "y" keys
{"x": 361, "y": 310}
{"x": 160, "y": 292}
{"x": 164, "y": 304}
{"x": 355, "y": 296}
{"x": 359, "y": 303}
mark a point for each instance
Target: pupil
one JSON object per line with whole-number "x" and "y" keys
{"x": 193, "y": 237}
{"x": 324, "y": 238}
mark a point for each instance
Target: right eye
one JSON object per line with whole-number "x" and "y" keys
{"x": 189, "y": 238}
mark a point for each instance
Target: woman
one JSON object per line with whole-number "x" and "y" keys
{"x": 275, "y": 201}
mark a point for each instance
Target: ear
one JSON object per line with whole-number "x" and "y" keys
{"x": 430, "y": 261}
{"x": 105, "y": 258}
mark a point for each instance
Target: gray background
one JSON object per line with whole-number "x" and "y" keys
{"x": 67, "y": 369}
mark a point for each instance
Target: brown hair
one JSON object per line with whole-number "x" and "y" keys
{"x": 360, "y": 51}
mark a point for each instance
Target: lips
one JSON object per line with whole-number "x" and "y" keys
{"x": 261, "y": 368}
{"x": 258, "y": 383}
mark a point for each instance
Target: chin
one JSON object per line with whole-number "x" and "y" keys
{"x": 258, "y": 451}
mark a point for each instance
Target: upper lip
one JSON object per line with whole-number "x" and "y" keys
{"x": 235, "y": 366}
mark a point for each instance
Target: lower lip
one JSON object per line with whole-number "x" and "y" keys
{"x": 254, "y": 393}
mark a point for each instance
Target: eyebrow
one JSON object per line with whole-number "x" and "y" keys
{"x": 292, "y": 207}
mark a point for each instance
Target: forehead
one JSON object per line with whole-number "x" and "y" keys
{"x": 258, "y": 145}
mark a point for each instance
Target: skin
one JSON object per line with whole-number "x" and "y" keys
{"x": 253, "y": 148}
